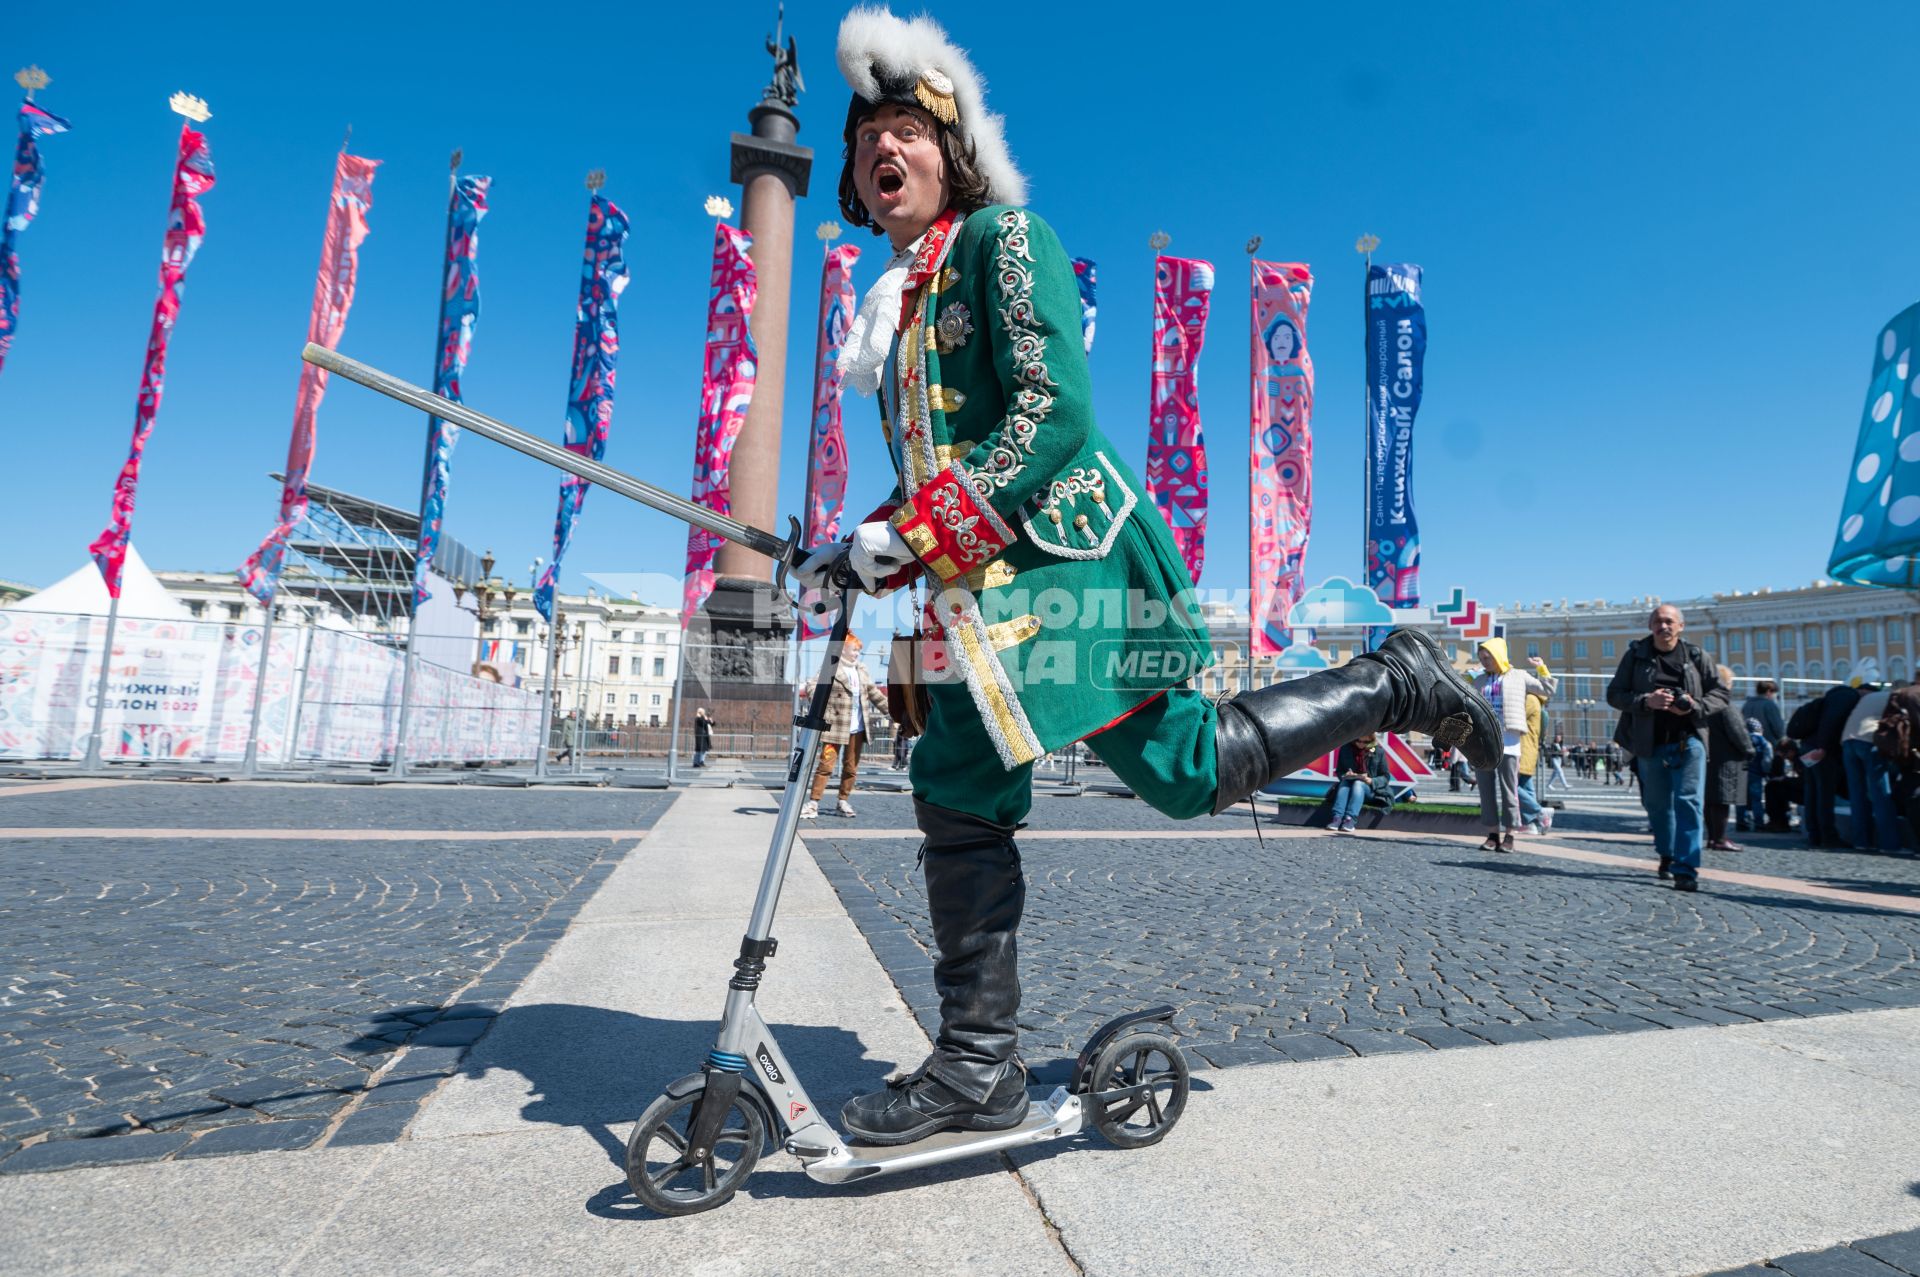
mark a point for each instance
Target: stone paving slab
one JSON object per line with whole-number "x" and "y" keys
{"x": 1362, "y": 936}
{"x": 268, "y": 805}
{"x": 170, "y": 986}
{"x": 1635, "y": 1155}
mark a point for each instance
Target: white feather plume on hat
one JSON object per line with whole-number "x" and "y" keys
{"x": 873, "y": 39}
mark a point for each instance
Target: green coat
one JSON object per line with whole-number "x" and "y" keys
{"x": 1056, "y": 592}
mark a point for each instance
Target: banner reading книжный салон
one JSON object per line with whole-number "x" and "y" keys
{"x": 1396, "y": 361}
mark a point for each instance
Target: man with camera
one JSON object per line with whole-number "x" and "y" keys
{"x": 1667, "y": 693}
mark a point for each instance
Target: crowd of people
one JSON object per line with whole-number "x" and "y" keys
{"x": 1705, "y": 766}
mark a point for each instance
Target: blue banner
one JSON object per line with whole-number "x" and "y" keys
{"x": 1878, "y": 541}
{"x": 596, "y": 349}
{"x": 1396, "y": 362}
{"x": 1083, "y": 276}
{"x": 459, "y": 312}
{"x": 23, "y": 201}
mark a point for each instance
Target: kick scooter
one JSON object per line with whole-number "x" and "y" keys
{"x": 694, "y": 1147}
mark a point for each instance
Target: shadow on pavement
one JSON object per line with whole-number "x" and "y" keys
{"x": 598, "y": 1069}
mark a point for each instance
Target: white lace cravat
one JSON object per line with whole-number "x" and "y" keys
{"x": 863, "y": 357}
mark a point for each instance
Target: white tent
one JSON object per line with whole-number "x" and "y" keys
{"x": 84, "y": 593}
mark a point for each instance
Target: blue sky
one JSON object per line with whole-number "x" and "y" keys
{"x": 1659, "y": 242}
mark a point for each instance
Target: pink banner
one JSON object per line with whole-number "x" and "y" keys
{"x": 827, "y": 458}
{"x": 332, "y": 299}
{"x": 1280, "y": 511}
{"x": 186, "y": 227}
{"x": 726, "y": 387}
{"x": 1176, "y": 451}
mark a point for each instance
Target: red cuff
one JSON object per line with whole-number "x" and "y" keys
{"x": 949, "y": 529}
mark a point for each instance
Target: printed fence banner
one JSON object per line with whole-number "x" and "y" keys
{"x": 1396, "y": 364}
{"x": 596, "y": 351}
{"x": 186, "y": 227}
{"x": 177, "y": 691}
{"x": 1878, "y": 540}
{"x": 182, "y": 691}
{"x": 1176, "y": 450}
{"x": 1280, "y": 516}
{"x": 726, "y": 388}
{"x": 23, "y": 201}
{"x": 347, "y": 210}
{"x": 459, "y": 312}
{"x": 827, "y": 459}
{"x": 1083, "y": 276}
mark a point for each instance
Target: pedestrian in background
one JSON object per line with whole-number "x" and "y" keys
{"x": 1764, "y": 705}
{"x": 1873, "y": 818}
{"x": 1360, "y": 772}
{"x": 852, "y": 699}
{"x": 1823, "y": 732}
{"x": 1667, "y": 694}
{"x": 1534, "y": 814}
{"x": 1506, "y": 689}
{"x": 702, "y": 736}
{"x": 1556, "y": 759}
{"x": 1728, "y": 750}
{"x": 1759, "y": 768}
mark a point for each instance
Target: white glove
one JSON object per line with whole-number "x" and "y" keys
{"x": 814, "y": 570}
{"x": 875, "y": 552}
{"x": 878, "y": 552}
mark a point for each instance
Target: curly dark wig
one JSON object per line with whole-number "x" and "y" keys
{"x": 963, "y": 171}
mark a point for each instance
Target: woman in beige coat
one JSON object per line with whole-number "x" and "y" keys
{"x": 852, "y": 707}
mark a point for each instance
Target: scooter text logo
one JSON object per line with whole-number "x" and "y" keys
{"x": 768, "y": 1067}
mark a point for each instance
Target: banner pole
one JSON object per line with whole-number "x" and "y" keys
{"x": 250, "y": 767}
{"x": 679, "y": 691}
{"x": 297, "y": 690}
{"x": 546, "y": 702}
{"x": 399, "y": 770}
{"x": 92, "y": 760}
{"x": 580, "y": 719}
{"x": 1365, "y": 246}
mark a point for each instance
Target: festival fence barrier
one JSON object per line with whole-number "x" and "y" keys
{"x": 1396, "y": 369}
{"x": 1176, "y": 449}
{"x": 182, "y": 692}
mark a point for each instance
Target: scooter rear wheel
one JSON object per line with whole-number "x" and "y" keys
{"x": 1147, "y": 1063}
{"x": 661, "y": 1169}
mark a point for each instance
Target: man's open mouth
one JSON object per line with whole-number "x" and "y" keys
{"x": 887, "y": 181}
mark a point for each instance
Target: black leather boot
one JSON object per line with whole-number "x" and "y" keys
{"x": 1405, "y": 686}
{"x": 972, "y": 1081}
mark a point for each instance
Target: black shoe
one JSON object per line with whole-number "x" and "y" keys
{"x": 915, "y": 1106}
{"x": 1506, "y": 842}
{"x": 1666, "y": 868}
{"x": 1405, "y": 686}
{"x": 1686, "y": 884}
{"x": 1491, "y": 844}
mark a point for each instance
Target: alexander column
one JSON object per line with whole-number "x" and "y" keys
{"x": 744, "y": 619}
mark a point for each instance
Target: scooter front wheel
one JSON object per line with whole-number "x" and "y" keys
{"x": 1140, "y": 1085}
{"x": 669, "y": 1176}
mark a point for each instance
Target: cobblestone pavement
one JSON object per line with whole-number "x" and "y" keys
{"x": 1318, "y": 946}
{"x": 197, "y": 996}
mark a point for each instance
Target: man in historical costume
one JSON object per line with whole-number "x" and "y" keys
{"x": 1059, "y": 609}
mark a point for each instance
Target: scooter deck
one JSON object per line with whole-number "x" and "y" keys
{"x": 1056, "y": 1117}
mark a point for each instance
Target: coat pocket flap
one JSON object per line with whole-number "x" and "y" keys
{"x": 1078, "y": 515}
